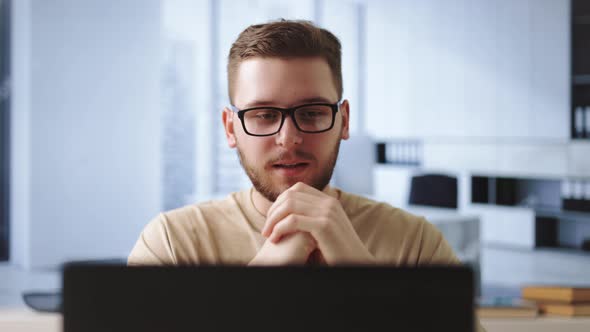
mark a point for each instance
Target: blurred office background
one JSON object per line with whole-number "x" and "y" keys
{"x": 111, "y": 113}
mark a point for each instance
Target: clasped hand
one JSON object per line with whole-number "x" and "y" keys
{"x": 315, "y": 220}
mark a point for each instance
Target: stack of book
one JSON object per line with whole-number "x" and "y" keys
{"x": 559, "y": 300}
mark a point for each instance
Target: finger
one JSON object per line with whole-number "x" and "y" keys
{"x": 285, "y": 227}
{"x": 285, "y": 201}
{"x": 292, "y": 224}
{"x": 298, "y": 188}
{"x": 303, "y": 187}
{"x": 297, "y": 203}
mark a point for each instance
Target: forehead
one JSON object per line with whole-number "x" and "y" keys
{"x": 283, "y": 82}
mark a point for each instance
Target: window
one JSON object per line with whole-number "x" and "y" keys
{"x": 4, "y": 125}
{"x": 185, "y": 31}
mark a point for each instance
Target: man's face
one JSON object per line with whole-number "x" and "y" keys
{"x": 275, "y": 163}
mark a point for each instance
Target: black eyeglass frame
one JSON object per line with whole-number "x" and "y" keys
{"x": 287, "y": 112}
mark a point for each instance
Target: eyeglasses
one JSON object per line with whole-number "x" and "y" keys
{"x": 308, "y": 118}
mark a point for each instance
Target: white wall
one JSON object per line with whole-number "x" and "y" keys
{"x": 468, "y": 68}
{"x": 86, "y": 128}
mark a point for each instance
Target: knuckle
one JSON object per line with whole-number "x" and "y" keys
{"x": 292, "y": 220}
{"x": 284, "y": 226}
{"x": 290, "y": 204}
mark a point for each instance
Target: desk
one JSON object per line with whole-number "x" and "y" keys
{"x": 27, "y": 320}
{"x": 541, "y": 324}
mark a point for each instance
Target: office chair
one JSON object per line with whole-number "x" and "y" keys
{"x": 51, "y": 301}
{"x": 434, "y": 190}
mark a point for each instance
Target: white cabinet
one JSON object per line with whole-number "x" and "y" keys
{"x": 392, "y": 184}
{"x": 461, "y": 68}
{"x": 579, "y": 159}
{"x": 509, "y": 226}
{"x": 475, "y": 157}
{"x": 533, "y": 160}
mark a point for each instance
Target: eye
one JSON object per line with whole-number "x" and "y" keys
{"x": 314, "y": 112}
{"x": 311, "y": 114}
{"x": 266, "y": 115}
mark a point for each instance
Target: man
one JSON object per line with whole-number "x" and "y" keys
{"x": 286, "y": 120}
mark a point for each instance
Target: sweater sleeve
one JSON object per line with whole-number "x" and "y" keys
{"x": 153, "y": 246}
{"x": 434, "y": 248}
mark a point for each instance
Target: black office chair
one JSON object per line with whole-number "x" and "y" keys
{"x": 51, "y": 301}
{"x": 434, "y": 190}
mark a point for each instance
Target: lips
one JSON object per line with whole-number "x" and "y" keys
{"x": 290, "y": 164}
{"x": 291, "y": 167}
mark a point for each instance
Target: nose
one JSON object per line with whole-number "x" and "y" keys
{"x": 289, "y": 135}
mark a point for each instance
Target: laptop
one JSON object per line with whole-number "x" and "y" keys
{"x": 233, "y": 298}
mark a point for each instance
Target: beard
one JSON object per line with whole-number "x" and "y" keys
{"x": 263, "y": 182}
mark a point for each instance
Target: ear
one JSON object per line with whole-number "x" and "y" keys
{"x": 345, "y": 110}
{"x": 227, "y": 116}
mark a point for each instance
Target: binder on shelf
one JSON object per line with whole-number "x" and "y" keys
{"x": 575, "y": 195}
{"x": 566, "y": 189}
{"x": 579, "y": 122}
{"x": 399, "y": 152}
{"x": 381, "y": 153}
{"x": 578, "y": 189}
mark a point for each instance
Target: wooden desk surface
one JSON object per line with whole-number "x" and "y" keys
{"x": 26, "y": 320}
{"x": 539, "y": 324}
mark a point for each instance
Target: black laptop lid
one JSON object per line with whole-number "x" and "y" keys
{"x": 119, "y": 298}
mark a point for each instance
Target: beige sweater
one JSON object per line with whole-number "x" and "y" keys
{"x": 228, "y": 232}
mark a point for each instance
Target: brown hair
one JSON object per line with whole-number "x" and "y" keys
{"x": 286, "y": 39}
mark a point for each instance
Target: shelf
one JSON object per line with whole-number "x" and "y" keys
{"x": 563, "y": 250}
{"x": 548, "y": 252}
{"x": 566, "y": 215}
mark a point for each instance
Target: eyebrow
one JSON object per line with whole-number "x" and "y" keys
{"x": 310, "y": 100}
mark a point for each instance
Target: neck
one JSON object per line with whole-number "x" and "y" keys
{"x": 261, "y": 204}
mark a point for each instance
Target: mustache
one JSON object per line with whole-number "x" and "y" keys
{"x": 297, "y": 154}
